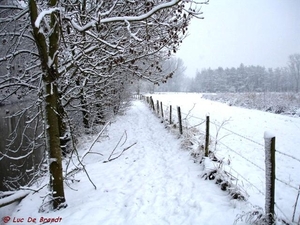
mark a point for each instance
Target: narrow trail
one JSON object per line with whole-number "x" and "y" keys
{"x": 154, "y": 182}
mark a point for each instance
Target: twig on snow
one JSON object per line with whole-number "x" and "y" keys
{"x": 95, "y": 141}
{"x": 80, "y": 160}
{"x": 125, "y": 149}
{"x": 118, "y": 144}
{"x": 34, "y": 190}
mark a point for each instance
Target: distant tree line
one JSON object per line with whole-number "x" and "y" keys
{"x": 241, "y": 79}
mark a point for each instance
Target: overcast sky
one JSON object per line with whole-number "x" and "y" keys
{"x": 252, "y": 32}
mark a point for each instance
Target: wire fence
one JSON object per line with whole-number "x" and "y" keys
{"x": 169, "y": 114}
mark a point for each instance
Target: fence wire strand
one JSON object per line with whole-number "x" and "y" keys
{"x": 239, "y": 135}
{"x": 246, "y": 180}
{"x": 242, "y": 156}
{"x": 287, "y": 155}
{"x": 287, "y": 184}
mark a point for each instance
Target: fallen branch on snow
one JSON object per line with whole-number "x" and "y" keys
{"x": 95, "y": 141}
{"x": 18, "y": 195}
{"x": 81, "y": 159}
{"x": 6, "y": 193}
{"x": 125, "y": 149}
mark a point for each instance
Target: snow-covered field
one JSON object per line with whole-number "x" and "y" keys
{"x": 285, "y": 103}
{"x": 153, "y": 182}
{"x": 241, "y": 141}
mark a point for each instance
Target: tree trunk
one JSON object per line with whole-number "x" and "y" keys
{"x": 84, "y": 106}
{"x": 85, "y": 113}
{"x": 50, "y": 76}
{"x": 53, "y": 144}
{"x": 64, "y": 139}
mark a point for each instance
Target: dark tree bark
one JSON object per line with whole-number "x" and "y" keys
{"x": 50, "y": 75}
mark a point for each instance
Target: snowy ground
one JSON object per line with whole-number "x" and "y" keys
{"x": 153, "y": 182}
{"x": 242, "y": 143}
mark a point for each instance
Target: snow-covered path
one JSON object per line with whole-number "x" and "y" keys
{"x": 153, "y": 182}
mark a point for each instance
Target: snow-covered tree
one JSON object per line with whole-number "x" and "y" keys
{"x": 294, "y": 67}
{"x": 81, "y": 55}
{"x": 20, "y": 79}
{"x": 120, "y": 48}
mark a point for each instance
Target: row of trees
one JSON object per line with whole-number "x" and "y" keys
{"x": 76, "y": 58}
{"x": 241, "y": 79}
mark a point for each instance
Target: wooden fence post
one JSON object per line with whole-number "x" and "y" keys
{"x": 161, "y": 110}
{"x": 157, "y": 107}
{"x": 170, "y": 114}
{"x": 206, "y": 137}
{"x": 270, "y": 176}
{"x": 152, "y": 103}
{"x": 179, "y": 119}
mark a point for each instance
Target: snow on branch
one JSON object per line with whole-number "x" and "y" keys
{"x": 132, "y": 34}
{"x": 144, "y": 16}
{"x": 43, "y": 14}
{"x": 13, "y": 198}
{"x": 16, "y": 158}
{"x": 125, "y": 18}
